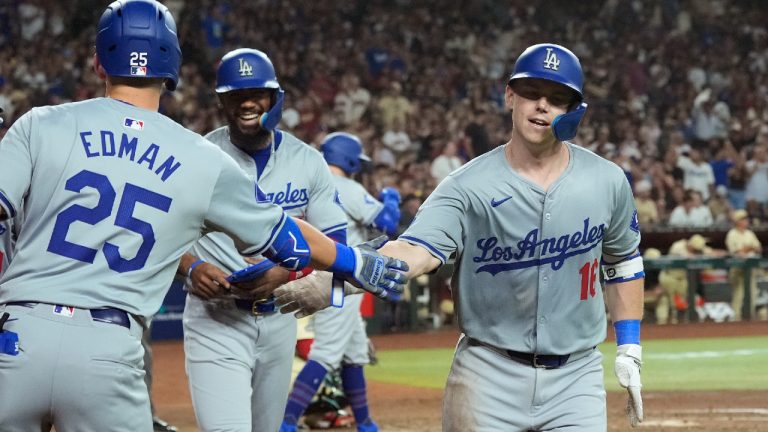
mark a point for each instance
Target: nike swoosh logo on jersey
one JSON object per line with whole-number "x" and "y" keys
{"x": 495, "y": 203}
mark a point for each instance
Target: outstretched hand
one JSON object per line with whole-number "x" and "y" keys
{"x": 379, "y": 274}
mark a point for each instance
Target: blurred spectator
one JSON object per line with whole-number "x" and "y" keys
{"x": 691, "y": 212}
{"x": 408, "y": 209}
{"x": 737, "y": 183}
{"x": 742, "y": 242}
{"x": 725, "y": 155}
{"x": 397, "y": 139}
{"x": 674, "y": 282}
{"x": 394, "y": 107}
{"x": 647, "y": 212}
{"x": 351, "y": 102}
{"x": 697, "y": 173}
{"x": 720, "y": 206}
{"x": 446, "y": 163}
{"x": 757, "y": 185}
{"x": 709, "y": 122}
{"x": 478, "y": 134}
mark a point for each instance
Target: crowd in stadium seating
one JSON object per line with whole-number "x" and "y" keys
{"x": 677, "y": 89}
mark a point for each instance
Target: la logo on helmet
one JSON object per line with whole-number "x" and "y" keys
{"x": 245, "y": 68}
{"x": 551, "y": 62}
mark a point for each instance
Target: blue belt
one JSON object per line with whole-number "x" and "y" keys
{"x": 106, "y": 315}
{"x": 257, "y": 307}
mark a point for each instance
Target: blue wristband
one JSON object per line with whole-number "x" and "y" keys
{"x": 345, "y": 260}
{"x": 627, "y": 332}
{"x": 192, "y": 267}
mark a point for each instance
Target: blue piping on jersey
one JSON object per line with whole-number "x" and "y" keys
{"x": 494, "y": 269}
{"x": 626, "y": 279}
{"x": 429, "y": 247}
{"x": 334, "y": 228}
{"x": 301, "y": 204}
{"x": 268, "y": 243}
{"x": 8, "y": 206}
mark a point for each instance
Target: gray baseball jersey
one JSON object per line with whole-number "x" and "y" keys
{"x": 6, "y": 245}
{"x": 239, "y": 366}
{"x": 340, "y": 332}
{"x": 527, "y": 280}
{"x": 295, "y": 178}
{"x": 113, "y": 195}
{"x": 116, "y": 195}
{"x": 527, "y": 260}
{"x": 360, "y": 207}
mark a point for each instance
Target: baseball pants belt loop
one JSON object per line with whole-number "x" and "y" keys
{"x": 106, "y": 315}
{"x": 257, "y": 307}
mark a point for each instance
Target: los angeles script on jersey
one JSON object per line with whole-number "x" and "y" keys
{"x": 289, "y": 198}
{"x": 553, "y": 250}
{"x": 107, "y": 143}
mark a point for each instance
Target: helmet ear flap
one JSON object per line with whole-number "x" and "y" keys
{"x": 565, "y": 126}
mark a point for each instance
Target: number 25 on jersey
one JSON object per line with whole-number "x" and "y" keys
{"x": 132, "y": 195}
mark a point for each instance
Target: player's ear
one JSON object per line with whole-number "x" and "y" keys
{"x": 98, "y": 68}
{"x": 508, "y": 96}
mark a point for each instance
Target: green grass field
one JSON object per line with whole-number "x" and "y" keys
{"x": 734, "y": 363}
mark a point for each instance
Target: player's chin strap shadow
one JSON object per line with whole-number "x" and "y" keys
{"x": 564, "y": 126}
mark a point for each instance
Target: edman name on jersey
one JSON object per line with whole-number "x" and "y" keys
{"x": 126, "y": 147}
{"x": 552, "y": 250}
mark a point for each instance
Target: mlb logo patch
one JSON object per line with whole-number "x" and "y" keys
{"x": 138, "y": 70}
{"x": 133, "y": 124}
{"x": 66, "y": 311}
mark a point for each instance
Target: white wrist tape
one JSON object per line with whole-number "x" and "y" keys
{"x": 628, "y": 269}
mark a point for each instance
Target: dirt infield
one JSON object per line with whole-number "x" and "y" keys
{"x": 400, "y": 408}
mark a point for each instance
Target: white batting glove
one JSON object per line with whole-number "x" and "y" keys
{"x": 627, "y": 370}
{"x": 309, "y": 294}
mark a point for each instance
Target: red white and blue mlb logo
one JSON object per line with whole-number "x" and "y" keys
{"x": 138, "y": 70}
{"x": 133, "y": 124}
{"x": 67, "y": 311}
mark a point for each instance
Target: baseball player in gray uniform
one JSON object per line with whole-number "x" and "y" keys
{"x": 6, "y": 237}
{"x": 340, "y": 337}
{"x": 239, "y": 352}
{"x": 114, "y": 194}
{"x": 6, "y": 245}
{"x": 529, "y": 225}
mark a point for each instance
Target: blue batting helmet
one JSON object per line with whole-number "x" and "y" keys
{"x": 247, "y": 68}
{"x": 558, "y": 64}
{"x": 345, "y": 151}
{"x": 137, "y": 39}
